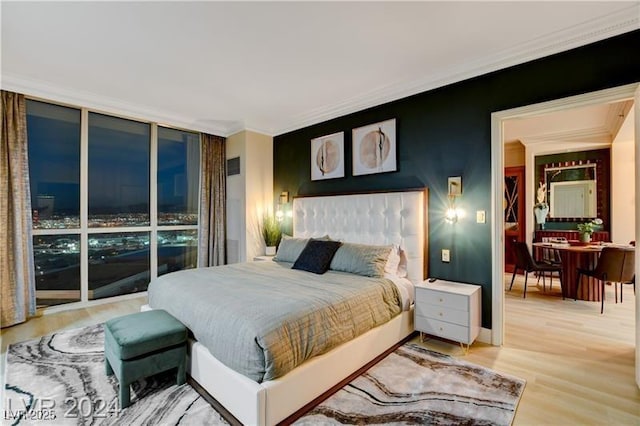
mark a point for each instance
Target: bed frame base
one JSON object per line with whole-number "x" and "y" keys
{"x": 394, "y": 218}
{"x": 301, "y": 412}
{"x": 274, "y": 401}
{"x": 213, "y": 402}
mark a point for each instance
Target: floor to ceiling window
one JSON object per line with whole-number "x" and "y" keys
{"x": 178, "y": 196}
{"x": 115, "y": 202}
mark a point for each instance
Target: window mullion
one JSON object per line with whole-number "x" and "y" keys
{"x": 153, "y": 201}
{"x": 84, "y": 205}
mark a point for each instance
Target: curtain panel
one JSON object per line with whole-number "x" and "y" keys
{"x": 213, "y": 216}
{"x": 17, "y": 276}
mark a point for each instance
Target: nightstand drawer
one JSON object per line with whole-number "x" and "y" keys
{"x": 442, "y": 329}
{"x": 441, "y": 298}
{"x": 443, "y": 313}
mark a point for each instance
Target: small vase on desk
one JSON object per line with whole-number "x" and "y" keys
{"x": 585, "y": 237}
{"x": 541, "y": 211}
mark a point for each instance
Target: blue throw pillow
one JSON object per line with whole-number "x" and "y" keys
{"x": 316, "y": 256}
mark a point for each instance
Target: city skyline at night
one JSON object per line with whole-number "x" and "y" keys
{"x": 118, "y": 167}
{"x": 119, "y": 187}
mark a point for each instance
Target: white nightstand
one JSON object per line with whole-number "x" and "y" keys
{"x": 264, "y": 257}
{"x": 449, "y": 310}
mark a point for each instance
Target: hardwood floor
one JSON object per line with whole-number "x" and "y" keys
{"x": 50, "y": 323}
{"x": 579, "y": 365}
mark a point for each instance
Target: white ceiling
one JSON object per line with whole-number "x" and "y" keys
{"x": 273, "y": 67}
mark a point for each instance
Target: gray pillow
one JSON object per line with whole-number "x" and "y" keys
{"x": 290, "y": 248}
{"x": 361, "y": 259}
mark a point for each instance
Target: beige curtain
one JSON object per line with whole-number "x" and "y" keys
{"x": 17, "y": 281}
{"x": 213, "y": 217}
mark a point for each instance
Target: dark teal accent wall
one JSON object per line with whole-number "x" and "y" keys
{"x": 447, "y": 132}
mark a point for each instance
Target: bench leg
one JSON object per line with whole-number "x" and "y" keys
{"x": 182, "y": 373}
{"x": 124, "y": 395}
{"x": 107, "y": 367}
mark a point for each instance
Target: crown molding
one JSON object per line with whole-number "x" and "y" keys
{"x": 259, "y": 130}
{"x": 82, "y": 99}
{"x": 600, "y": 133}
{"x": 550, "y": 148}
{"x": 599, "y": 136}
{"x": 592, "y": 31}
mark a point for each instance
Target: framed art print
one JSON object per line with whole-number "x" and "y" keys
{"x": 374, "y": 148}
{"x": 327, "y": 157}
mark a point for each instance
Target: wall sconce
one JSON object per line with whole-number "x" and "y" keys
{"x": 454, "y": 185}
{"x": 283, "y": 200}
{"x": 284, "y": 197}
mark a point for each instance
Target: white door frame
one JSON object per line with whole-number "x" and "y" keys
{"x": 629, "y": 91}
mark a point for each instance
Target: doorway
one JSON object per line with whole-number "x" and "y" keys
{"x": 627, "y": 92}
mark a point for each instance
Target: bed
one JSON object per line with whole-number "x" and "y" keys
{"x": 390, "y": 218}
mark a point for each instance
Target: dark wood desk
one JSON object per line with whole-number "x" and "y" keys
{"x": 574, "y": 257}
{"x": 568, "y": 235}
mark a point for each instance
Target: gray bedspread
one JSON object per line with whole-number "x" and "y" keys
{"x": 263, "y": 319}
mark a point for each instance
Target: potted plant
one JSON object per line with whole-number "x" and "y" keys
{"x": 588, "y": 228}
{"x": 271, "y": 234}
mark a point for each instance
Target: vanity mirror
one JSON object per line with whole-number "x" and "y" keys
{"x": 572, "y": 190}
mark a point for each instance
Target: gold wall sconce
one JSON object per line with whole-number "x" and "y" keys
{"x": 281, "y": 210}
{"x": 454, "y": 190}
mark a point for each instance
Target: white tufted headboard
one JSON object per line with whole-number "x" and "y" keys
{"x": 372, "y": 218}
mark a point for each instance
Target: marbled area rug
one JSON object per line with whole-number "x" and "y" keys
{"x": 60, "y": 380}
{"x": 414, "y": 385}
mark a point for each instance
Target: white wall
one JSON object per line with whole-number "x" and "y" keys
{"x": 235, "y": 147}
{"x": 258, "y": 189}
{"x": 249, "y": 194}
{"x": 514, "y": 154}
{"x": 623, "y": 184}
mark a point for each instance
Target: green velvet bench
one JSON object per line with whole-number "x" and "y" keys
{"x": 142, "y": 345}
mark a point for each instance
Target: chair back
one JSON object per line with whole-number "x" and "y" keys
{"x": 551, "y": 255}
{"x": 524, "y": 260}
{"x": 629, "y": 268}
{"x": 617, "y": 263}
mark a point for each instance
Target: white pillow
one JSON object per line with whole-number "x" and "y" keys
{"x": 402, "y": 267}
{"x": 397, "y": 262}
{"x": 393, "y": 261}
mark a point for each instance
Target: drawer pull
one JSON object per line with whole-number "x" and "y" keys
{"x": 441, "y": 299}
{"x": 440, "y": 328}
{"x": 440, "y": 313}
